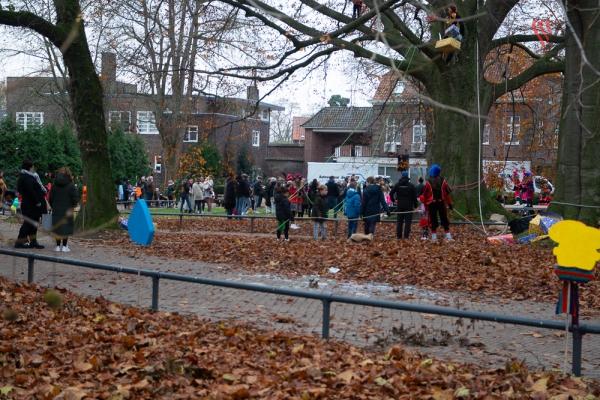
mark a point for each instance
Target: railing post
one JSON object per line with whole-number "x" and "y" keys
{"x": 251, "y": 224}
{"x": 30, "y": 262}
{"x": 336, "y": 227}
{"x": 155, "y": 280}
{"x": 577, "y": 345}
{"x": 326, "y": 316}
{"x": 181, "y": 221}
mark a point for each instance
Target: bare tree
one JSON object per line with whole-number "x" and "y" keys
{"x": 282, "y": 122}
{"x": 64, "y": 28}
{"x": 401, "y": 35}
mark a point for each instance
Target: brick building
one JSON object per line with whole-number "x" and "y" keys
{"x": 522, "y": 127}
{"x": 229, "y": 123}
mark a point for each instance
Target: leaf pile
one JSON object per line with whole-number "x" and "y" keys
{"x": 90, "y": 348}
{"x": 469, "y": 264}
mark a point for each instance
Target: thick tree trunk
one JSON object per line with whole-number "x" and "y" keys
{"x": 578, "y": 174}
{"x": 456, "y": 142}
{"x": 86, "y": 96}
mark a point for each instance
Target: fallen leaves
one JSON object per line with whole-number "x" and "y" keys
{"x": 167, "y": 355}
{"x": 469, "y": 264}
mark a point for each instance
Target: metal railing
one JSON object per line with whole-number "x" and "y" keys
{"x": 325, "y": 298}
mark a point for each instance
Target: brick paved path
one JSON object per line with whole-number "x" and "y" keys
{"x": 485, "y": 343}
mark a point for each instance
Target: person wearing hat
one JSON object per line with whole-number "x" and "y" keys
{"x": 436, "y": 197}
{"x": 404, "y": 196}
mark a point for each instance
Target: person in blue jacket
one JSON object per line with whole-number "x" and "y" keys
{"x": 352, "y": 208}
{"x": 372, "y": 203}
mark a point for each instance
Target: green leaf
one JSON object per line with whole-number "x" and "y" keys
{"x": 6, "y": 390}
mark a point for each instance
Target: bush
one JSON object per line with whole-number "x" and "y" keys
{"x": 219, "y": 189}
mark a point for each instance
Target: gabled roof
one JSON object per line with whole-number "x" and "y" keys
{"x": 297, "y": 129}
{"x": 389, "y": 82}
{"x": 341, "y": 119}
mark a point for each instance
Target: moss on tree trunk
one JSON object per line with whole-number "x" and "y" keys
{"x": 86, "y": 94}
{"x": 578, "y": 174}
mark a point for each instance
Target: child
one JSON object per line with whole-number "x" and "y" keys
{"x": 319, "y": 212}
{"x": 352, "y": 208}
{"x": 424, "y": 219}
{"x": 283, "y": 213}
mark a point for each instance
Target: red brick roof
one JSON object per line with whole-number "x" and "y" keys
{"x": 298, "y": 131}
{"x": 389, "y": 81}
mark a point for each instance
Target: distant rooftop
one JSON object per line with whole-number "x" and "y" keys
{"x": 341, "y": 118}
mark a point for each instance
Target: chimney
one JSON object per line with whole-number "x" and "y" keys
{"x": 252, "y": 92}
{"x": 109, "y": 69}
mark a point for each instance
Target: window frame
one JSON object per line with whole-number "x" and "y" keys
{"x": 514, "y": 128}
{"x": 393, "y": 136}
{"x": 30, "y": 115}
{"x": 157, "y": 164}
{"x": 187, "y": 135}
{"x": 119, "y": 113}
{"x": 151, "y": 120}
{"x": 422, "y": 131}
{"x": 255, "y": 138}
{"x": 486, "y": 133}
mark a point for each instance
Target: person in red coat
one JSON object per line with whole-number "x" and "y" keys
{"x": 357, "y": 7}
{"x": 436, "y": 198}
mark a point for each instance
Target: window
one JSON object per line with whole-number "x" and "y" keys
{"x": 191, "y": 133}
{"x": 30, "y": 119}
{"x": 146, "y": 123}
{"x": 265, "y": 115}
{"x": 358, "y": 151}
{"x": 157, "y": 164}
{"x": 399, "y": 88}
{"x": 512, "y": 129}
{"x": 391, "y": 131}
{"x": 419, "y": 132}
{"x": 555, "y": 138}
{"x": 256, "y": 138}
{"x": 486, "y": 135}
{"x": 120, "y": 118}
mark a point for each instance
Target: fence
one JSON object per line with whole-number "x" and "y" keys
{"x": 325, "y": 298}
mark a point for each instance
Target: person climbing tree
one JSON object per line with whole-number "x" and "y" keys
{"x": 357, "y": 8}
{"x": 454, "y": 29}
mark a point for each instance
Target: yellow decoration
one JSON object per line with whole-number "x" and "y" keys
{"x": 578, "y": 244}
{"x": 447, "y": 45}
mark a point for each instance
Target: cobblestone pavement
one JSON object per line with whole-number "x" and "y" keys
{"x": 485, "y": 343}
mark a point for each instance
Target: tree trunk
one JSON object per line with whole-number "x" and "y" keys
{"x": 577, "y": 174}
{"x": 86, "y": 96}
{"x": 456, "y": 142}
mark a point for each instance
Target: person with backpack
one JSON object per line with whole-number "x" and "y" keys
{"x": 352, "y": 208}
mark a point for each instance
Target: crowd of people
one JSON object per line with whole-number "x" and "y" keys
{"x": 288, "y": 197}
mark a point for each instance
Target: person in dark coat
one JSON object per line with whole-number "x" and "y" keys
{"x": 229, "y": 195}
{"x": 126, "y": 192}
{"x": 240, "y": 194}
{"x": 33, "y": 205}
{"x": 333, "y": 192}
{"x": 404, "y": 196}
{"x": 63, "y": 199}
{"x": 372, "y": 202}
{"x": 283, "y": 213}
{"x": 319, "y": 212}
